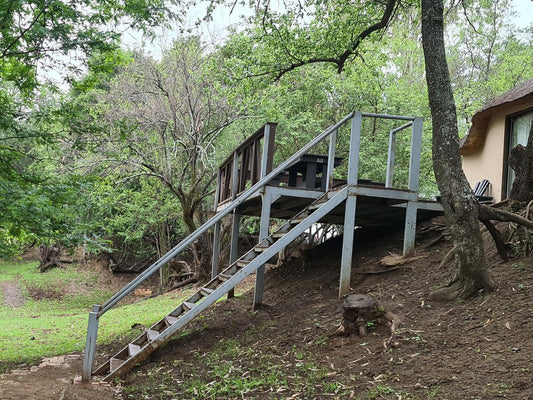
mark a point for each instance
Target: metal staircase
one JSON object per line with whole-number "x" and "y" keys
{"x": 237, "y": 192}
{"x": 163, "y": 330}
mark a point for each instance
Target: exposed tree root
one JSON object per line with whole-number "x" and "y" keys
{"x": 456, "y": 289}
{"x": 464, "y": 287}
{"x": 448, "y": 257}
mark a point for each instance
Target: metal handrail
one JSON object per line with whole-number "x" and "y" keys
{"x": 203, "y": 228}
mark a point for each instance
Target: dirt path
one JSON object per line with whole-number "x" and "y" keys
{"x": 56, "y": 378}
{"x": 11, "y": 294}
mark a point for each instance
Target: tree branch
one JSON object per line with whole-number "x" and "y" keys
{"x": 486, "y": 212}
{"x": 495, "y": 233}
{"x": 352, "y": 47}
{"x": 24, "y": 31}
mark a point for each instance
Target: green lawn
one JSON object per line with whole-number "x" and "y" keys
{"x": 44, "y": 328}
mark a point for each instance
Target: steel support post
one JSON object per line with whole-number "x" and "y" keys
{"x": 234, "y": 246}
{"x": 410, "y": 229}
{"x": 216, "y": 249}
{"x": 347, "y": 245}
{"x": 416, "y": 151}
{"x": 90, "y": 344}
{"x": 414, "y": 181}
{"x": 351, "y": 204}
{"x": 331, "y": 160}
{"x": 263, "y": 234}
{"x": 390, "y": 159}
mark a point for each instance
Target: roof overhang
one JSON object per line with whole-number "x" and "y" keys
{"x": 521, "y": 94}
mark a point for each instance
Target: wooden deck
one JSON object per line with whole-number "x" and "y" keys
{"x": 378, "y": 207}
{"x": 306, "y": 176}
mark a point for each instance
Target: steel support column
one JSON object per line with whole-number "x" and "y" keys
{"x": 410, "y": 229}
{"x": 263, "y": 234}
{"x": 347, "y": 245}
{"x": 90, "y": 344}
{"x": 234, "y": 246}
{"x": 414, "y": 181}
{"x": 351, "y": 203}
{"x": 216, "y": 249}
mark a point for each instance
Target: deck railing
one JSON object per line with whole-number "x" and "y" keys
{"x": 250, "y": 161}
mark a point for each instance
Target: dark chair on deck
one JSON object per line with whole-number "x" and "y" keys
{"x": 480, "y": 189}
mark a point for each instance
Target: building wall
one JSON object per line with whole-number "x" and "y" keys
{"x": 488, "y": 161}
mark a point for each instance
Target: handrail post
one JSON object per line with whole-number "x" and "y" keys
{"x": 90, "y": 344}
{"x": 414, "y": 182}
{"x": 216, "y": 249}
{"x": 390, "y": 159}
{"x": 416, "y": 150}
{"x": 331, "y": 160}
{"x": 268, "y": 149}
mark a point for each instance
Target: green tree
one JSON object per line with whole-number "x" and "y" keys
{"x": 161, "y": 120}
{"x": 41, "y": 36}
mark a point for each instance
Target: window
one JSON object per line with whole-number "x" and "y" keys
{"x": 518, "y": 131}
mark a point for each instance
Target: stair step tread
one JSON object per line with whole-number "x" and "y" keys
{"x": 242, "y": 263}
{"x": 188, "y": 305}
{"x": 297, "y": 220}
{"x": 207, "y": 291}
{"x": 114, "y": 363}
{"x": 260, "y": 249}
{"x": 152, "y": 334}
{"x": 278, "y": 235}
{"x": 133, "y": 349}
{"x": 170, "y": 320}
{"x": 224, "y": 277}
{"x": 316, "y": 206}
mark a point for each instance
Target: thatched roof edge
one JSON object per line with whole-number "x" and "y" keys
{"x": 522, "y": 93}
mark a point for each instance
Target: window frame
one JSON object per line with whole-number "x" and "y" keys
{"x": 509, "y": 119}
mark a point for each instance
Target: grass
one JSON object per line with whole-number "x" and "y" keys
{"x": 49, "y": 327}
{"x": 238, "y": 370}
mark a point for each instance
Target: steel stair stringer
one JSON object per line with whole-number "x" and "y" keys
{"x": 163, "y": 330}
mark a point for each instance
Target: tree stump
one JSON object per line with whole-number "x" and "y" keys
{"x": 49, "y": 257}
{"x": 359, "y": 310}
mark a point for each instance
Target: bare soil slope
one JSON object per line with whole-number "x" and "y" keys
{"x": 481, "y": 348}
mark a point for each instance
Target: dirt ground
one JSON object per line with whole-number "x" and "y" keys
{"x": 481, "y": 348}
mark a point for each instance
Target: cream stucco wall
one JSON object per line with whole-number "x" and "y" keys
{"x": 488, "y": 161}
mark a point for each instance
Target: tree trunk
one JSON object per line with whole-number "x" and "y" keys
{"x": 201, "y": 248}
{"x": 459, "y": 203}
{"x": 521, "y": 161}
{"x": 163, "y": 246}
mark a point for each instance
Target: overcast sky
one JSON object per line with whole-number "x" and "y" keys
{"x": 525, "y": 12}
